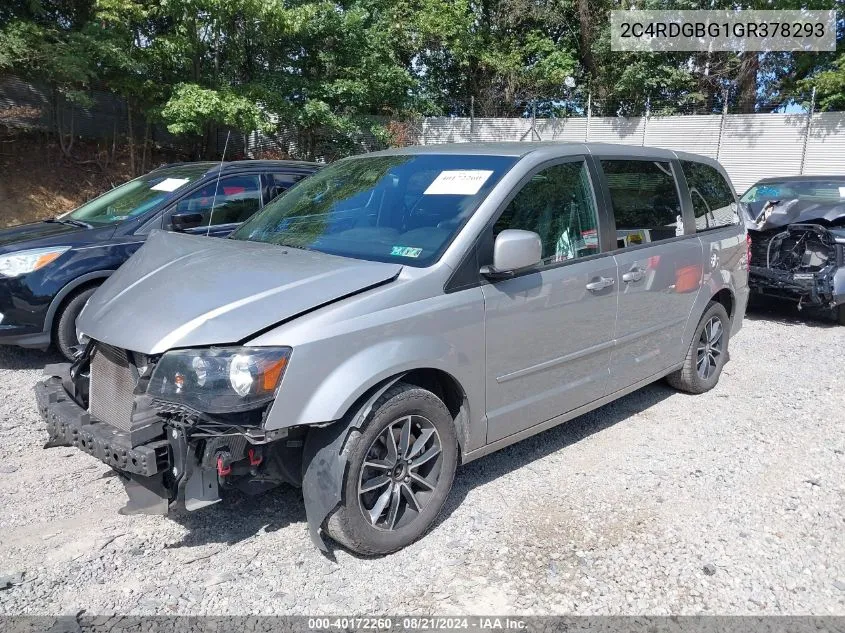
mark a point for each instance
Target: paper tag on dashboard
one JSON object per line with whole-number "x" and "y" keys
{"x": 458, "y": 182}
{"x": 169, "y": 184}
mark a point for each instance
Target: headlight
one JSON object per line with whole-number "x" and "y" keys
{"x": 23, "y": 262}
{"x": 220, "y": 379}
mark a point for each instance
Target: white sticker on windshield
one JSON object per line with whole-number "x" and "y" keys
{"x": 169, "y": 184}
{"x": 458, "y": 182}
{"x": 842, "y": 192}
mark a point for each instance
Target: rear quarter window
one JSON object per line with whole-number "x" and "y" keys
{"x": 645, "y": 201}
{"x": 712, "y": 198}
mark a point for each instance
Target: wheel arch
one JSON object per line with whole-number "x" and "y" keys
{"x": 727, "y": 299}
{"x": 324, "y": 456}
{"x": 79, "y": 284}
{"x": 438, "y": 381}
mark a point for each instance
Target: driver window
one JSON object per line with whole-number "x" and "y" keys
{"x": 557, "y": 204}
{"x": 238, "y": 197}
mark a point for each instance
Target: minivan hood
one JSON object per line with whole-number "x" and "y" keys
{"x": 184, "y": 291}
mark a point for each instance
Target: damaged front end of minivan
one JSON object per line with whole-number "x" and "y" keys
{"x": 177, "y": 427}
{"x": 176, "y": 399}
{"x": 798, "y": 253}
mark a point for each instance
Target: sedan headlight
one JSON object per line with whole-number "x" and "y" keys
{"x": 220, "y": 379}
{"x": 23, "y": 262}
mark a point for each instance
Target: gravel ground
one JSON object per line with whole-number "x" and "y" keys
{"x": 661, "y": 503}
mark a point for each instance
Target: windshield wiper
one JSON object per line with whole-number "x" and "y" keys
{"x": 299, "y": 248}
{"x": 69, "y": 222}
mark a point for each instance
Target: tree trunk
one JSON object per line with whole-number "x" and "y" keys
{"x": 585, "y": 39}
{"x": 747, "y": 82}
{"x": 144, "y": 149}
{"x": 65, "y": 146}
{"x": 130, "y": 136}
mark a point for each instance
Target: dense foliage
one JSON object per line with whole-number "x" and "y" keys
{"x": 325, "y": 64}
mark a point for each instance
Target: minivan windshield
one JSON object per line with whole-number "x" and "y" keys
{"x": 399, "y": 208}
{"x": 822, "y": 190}
{"x": 137, "y": 196}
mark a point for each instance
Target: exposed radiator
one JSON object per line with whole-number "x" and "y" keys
{"x": 113, "y": 379}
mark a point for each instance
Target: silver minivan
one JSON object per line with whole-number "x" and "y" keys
{"x": 396, "y": 315}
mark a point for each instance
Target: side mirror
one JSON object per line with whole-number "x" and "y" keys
{"x": 514, "y": 250}
{"x": 185, "y": 221}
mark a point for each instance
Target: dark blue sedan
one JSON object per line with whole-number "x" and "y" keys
{"x": 49, "y": 269}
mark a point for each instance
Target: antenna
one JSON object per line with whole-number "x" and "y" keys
{"x": 217, "y": 184}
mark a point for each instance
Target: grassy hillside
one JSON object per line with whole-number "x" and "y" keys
{"x": 37, "y": 181}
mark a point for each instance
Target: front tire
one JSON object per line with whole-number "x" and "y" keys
{"x": 399, "y": 472}
{"x": 839, "y": 314}
{"x": 707, "y": 353}
{"x": 64, "y": 336}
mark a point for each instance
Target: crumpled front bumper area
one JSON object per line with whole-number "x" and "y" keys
{"x": 68, "y": 424}
{"x": 144, "y": 469}
{"x": 818, "y": 289}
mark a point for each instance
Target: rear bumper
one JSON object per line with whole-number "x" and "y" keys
{"x": 68, "y": 424}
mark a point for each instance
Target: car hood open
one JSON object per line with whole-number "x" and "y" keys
{"x": 794, "y": 211}
{"x": 184, "y": 291}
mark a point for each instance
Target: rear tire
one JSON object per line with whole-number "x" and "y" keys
{"x": 839, "y": 314}
{"x": 393, "y": 500}
{"x": 64, "y": 335}
{"x": 707, "y": 353}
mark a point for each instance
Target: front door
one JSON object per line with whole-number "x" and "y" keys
{"x": 660, "y": 268}
{"x": 549, "y": 333}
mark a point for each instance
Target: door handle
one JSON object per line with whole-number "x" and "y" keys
{"x": 600, "y": 284}
{"x": 635, "y": 274}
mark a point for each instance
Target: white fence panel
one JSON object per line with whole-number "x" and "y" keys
{"x": 463, "y": 130}
{"x": 826, "y": 144}
{"x": 697, "y": 134}
{"x": 572, "y": 130}
{"x": 756, "y": 146}
{"x": 625, "y": 130}
{"x": 750, "y": 146}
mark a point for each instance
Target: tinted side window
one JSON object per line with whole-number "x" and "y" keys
{"x": 282, "y": 182}
{"x": 238, "y": 197}
{"x": 286, "y": 180}
{"x": 712, "y": 198}
{"x": 645, "y": 201}
{"x": 558, "y": 204}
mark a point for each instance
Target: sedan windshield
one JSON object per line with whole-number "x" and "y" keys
{"x": 137, "y": 196}
{"x": 401, "y": 208}
{"x": 817, "y": 190}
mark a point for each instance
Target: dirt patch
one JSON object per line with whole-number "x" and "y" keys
{"x": 37, "y": 181}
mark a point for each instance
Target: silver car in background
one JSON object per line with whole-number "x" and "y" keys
{"x": 398, "y": 314}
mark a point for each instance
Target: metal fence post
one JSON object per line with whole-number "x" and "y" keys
{"x": 472, "y": 117}
{"x": 810, "y": 114}
{"x": 722, "y": 123}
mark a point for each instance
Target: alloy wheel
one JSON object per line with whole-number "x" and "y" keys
{"x": 710, "y": 347}
{"x": 400, "y": 472}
